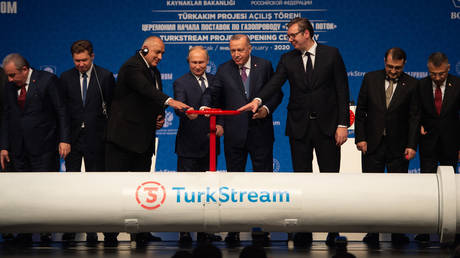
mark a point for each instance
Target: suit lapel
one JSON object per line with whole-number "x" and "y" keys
{"x": 33, "y": 86}
{"x": 253, "y": 74}
{"x": 319, "y": 59}
{"x": 428, "y": 92}
{"x": 397, "y": 93}
{"x": 196, "y": 88}
{"x": 448, "y": 92}
{"x": 381, "y": 90}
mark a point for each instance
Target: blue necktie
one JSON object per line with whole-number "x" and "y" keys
{"x": 85, "y": 87}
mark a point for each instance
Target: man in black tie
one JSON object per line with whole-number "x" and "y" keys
{"x": 137, "y": 111}
{"x": 318, "y": 113}
{"x": 237, "y": 81}
{"x": 192, "y": 139}
{"x": 87, "y": 91}
{"x": 387, "y": 119}
{"x": 439, "y": 142}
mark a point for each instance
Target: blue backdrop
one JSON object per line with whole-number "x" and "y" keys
{"x": 43, "y": 31}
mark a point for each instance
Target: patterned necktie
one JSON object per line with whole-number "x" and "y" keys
{"x": 244, "y": 76}
{"x": 22, "y": 97}
{"x": 85, "y": 87}
{"x": 389, "y": 92}
{"x": 438, "y": 99}
{"x": 308, "y": 68}
{"x": 202, "y": 84}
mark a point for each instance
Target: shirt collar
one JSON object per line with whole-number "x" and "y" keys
{"x": 88, "y": 73}
{"x": 29, "y": 76}
{"x": 247, "y": 64}
{"x": 443, "y": 85}
{"x": 143, "y": 58}
{"x": 198, "y": 77}
{"x": 312, "y": 50}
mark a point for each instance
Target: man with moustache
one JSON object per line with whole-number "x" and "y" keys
{"x": 237, "y": 81}
{"x": 137, "y": 111}
{"x": 386, "y": 125}
{"x": 318, "y": 111}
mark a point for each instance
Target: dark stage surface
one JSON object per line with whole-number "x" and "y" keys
{"x": 168, "y": 248}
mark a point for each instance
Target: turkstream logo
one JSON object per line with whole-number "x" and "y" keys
{"x": 229, "y": 195}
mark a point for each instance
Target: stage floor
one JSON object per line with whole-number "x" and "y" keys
{"x": 168, "y": 248}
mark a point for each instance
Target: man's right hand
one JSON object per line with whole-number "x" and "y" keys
{"x": 219, "y": 130}
{"x": 4, "y": 158}
{"x": 422, "y": 130}
{"x": 177, "y": 105}
{"x": 251, "y": 106}
{"x": 362, "y": 146}
{"x": 191, "y": 116}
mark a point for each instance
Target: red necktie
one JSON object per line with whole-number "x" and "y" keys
{"x": 22, "y": 97}
{"x": 438, "y": 99}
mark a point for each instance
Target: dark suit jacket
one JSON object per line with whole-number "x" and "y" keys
{"x": 42, "y": 124}
{"x": 192, "y": 139}
{"x": 400, "y": 121}
{"x": 135, "y": 106}
{"x": 446, "y": 126}
{"x": 327, "y": 95}
{"x": 227, "y": 92}
{"x": 3, "y": 82}
{"x": 91, "y": 113}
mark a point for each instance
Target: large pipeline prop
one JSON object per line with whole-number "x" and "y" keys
{"x": 215, "y": 202}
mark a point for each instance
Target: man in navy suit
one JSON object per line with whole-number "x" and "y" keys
{"x": 87, "y": 90}
{"x": 237, "y": 81}
{"x": 318, "y": 111}
{"x": 439, "y": 141}
{"x": 35, "y": 129}
{"x": 192, "y": 139}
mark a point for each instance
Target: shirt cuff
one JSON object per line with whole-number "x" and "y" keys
{"x": 268, "y": 110}
{"x": 167, "y": 101}
{"x": 342, "y": 126}
{"x": 260, "y": 101}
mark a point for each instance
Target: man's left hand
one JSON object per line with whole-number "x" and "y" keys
{"x": 409, "y": 153}
{"x": 261, "y": 113}
{"x": 341, "y": 135}
{"x": 160, "y": 121}
{"x": 64, "y": 149}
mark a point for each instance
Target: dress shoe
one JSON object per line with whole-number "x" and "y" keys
{"x": 152, "y": 238}
{"x": 203, "y": 237}
{"x": 91, "y": 237}
{"x": 371, "y": 238}
{"x": 45, "y": 237}
{"x": 185, "y": 238}
{"x": 331, "y": 237}
{"x": 23, "y": 238}
{"x": 261, "y": 238}
{"x": 233, "y": 238}
{"x": 399, "y": 239}
{"x": 110, "y": 239}
{"x": 422, "y": 238}
{"x": 67, "y": 237}
{"x": 303, "y": 239}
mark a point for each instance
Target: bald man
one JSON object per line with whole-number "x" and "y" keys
{"x": 137, "y": 111}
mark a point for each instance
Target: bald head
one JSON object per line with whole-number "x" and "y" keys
{"x": 156, "y": 49}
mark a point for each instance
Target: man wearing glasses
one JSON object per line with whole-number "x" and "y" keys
{"x": 387, "y": 119}
{"x": 440, "y": 124}
{"x": 318, "y": 112}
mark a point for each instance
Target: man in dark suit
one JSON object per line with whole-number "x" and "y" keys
{"x": 137, "y": 111}
{"x": 318, "y": 111}
{"x": 439, "y": 95}
{"x": 34, "y": 128}
{"x": 192, "y": 139}
{"x": 237, "y": 81}
{"x": 387, "y": 118}
{"x": 87, "y": 90}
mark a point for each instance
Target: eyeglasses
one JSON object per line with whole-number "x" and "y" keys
{"x": 440, "y": 74}
{"x": 293, "y": 35}
{"x": 396, "y": 67}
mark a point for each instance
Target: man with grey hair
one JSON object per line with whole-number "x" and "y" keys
{"x": 34, "y": 130}
{"x": 237, "y": 82}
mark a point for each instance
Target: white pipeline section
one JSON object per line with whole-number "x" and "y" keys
{"x": 284, "y": 202}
